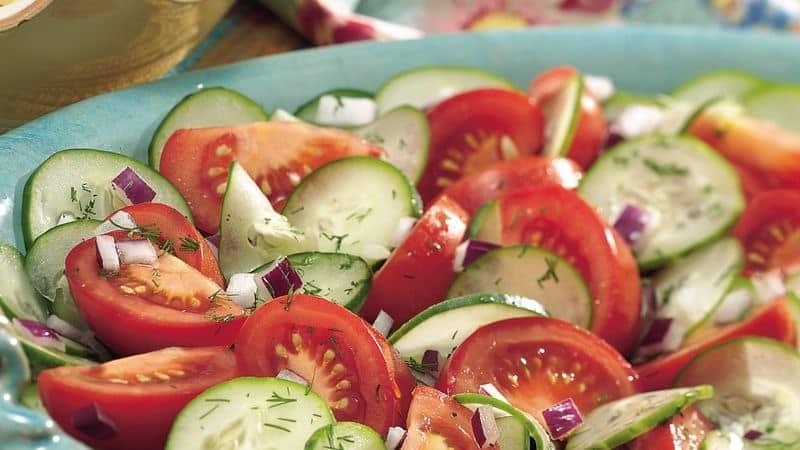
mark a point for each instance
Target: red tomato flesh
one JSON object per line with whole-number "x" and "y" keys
{"x": 685, "y": 431}
{"x": 140, "y": 395}
{"x": 536, "y": 362}
{"x": 436, "y": 421}
{"x": 276, "y": 154}
{"x": 769, "y": 229}
{"x": 474, "y": 129}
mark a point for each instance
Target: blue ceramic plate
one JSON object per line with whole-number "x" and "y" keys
{"x": 638, "y": 59}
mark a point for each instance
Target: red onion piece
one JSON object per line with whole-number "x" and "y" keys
{"x": 139, "y": 251}
{"x": 132, "y": 188}
{"x": 281, "y": 278}
{"x": 64, "y": 328}
{"x": 38, "y": 333}
{"x": 562, "y": 418}
{"x": 383, "y": 323}
{"x": 631, "y": 223}
{"x": 213, "y": 244}
{"x": 91, "y": 421}
{"x": 242, "y": 289}
{"x": 484, "y": 426}
{"x": 288, "y": 375}
{"x": 395, "y": 437}
{"x": 107, "y": 253}
{"x": 430, "y": 360}
{"x": 470, "y": 250}
{"x": 752, "y": 435}
{"x": 490, "y": 390}
{"x": 658, "y": 331}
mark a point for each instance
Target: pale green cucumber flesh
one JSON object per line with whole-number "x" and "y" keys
{"x": 513, "y": 435}
{"x": 30, "y": 398}
{"x": 18, "y": 297}
{"x": 345, "y": 436}
{"x": 562, "y": 113}
{"x": 535, "y": 431}
{"x": 779, "y": 104}
{"x": 404, "y": 134}
{"x": 719, "y": 83}
{"x": 308, "y": 111}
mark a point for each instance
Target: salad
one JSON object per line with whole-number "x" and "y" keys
{"x": 448, "y": 263}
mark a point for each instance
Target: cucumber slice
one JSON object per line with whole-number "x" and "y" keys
{"x": 18, "y": 297}
{"x": 689, "y": 290}
{"x": 41, "y": 358}
{"x": 562, "y": 115}
{"x": 251, "y": 232}
{"x": 345, "y": 436}
{"x": 793, "y": 283}
{"x": 30, "y": 398}
{"x": 353, "y": 205}
{"x": 405, "y": 135}
{"x": 64, "y": 306}
{"x": 445, "y": 325}
{"x": 513, "y": 435}
{"x": 341, "y": 278}
{"x": 532, "y": 427}
{"x": 679, "y": 114}
{"x": 721, "y": 440}
{"x": 284, "y": 116}
{"x": 214, "y": 106}
{"x": 778, "y": 104}
{"x": 78, "y": 182}
{"x": 426, "y": 86}
{"x": 757, "y": 387}
{"x": 691, "y": 194}
{"x": 486, "y": 224}
{"x": 718, "y": 83}
{"x": 308, "y": 111}
{"x": 621, "y": 100}
{"x": 620, "y": 421}
{"x": 250, "y": 412}
{"x": 530, "y": 272}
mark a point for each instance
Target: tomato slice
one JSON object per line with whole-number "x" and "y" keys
{"x": 332, "y": 348}
{"x": 472, "y": 191}
{"x": 420, "y": 270}
{"x": 536, "y": 362}
{"x": 145, "y": 308}
{"x": 276, "y": 154}
{"x": 753, "y": 143}
{"x": 399, "y": 371}
{"x": 769, "y": 229}
{"x": 140, "y": 395}
{"x": 471, "y": 130}
{"x": 592, "y": 130}
{"x": 685, "y": 431}
{"x": 557, "y": 219}
{"x": 436, "y": 421}
{"x": 177, "y": 234}
{"x": 774, "y": 321}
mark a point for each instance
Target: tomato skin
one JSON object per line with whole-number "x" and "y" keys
{"x": 374, "y": 391}
{"x": 420, "y": 269}
{"x": 128, "y": 324}
{"x": 771, "y": 214}
{"x": 172, "y": 225}
{"x": 472, "y": 191}
{"x": 276, "y": 154}
{"x": 592, "y": 130}
{"x": 773, "y": 321}
{"x": 434, "y": 415}
{"x": 456, "y": 145}
{"x": 399, "y": 371}
{"x": 519, "y": 357}
{"x": 142, "y": 412}
{"x": 557, "y": 219}
{"x": 685, "y": 431}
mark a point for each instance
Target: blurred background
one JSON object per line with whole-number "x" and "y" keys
{"x": 56, "y": 52}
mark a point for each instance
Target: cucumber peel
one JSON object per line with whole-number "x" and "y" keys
{"x": 536, "y": 431}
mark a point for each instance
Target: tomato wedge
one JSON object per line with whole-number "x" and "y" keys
{"x": 138, "y": 397}
{"x": 276, "y": 154}
{"x": 337, "y": 352}
{"x": 592, "y": 130}
{"x": 774, "y": 321}
{"x": 178, "y": 235}
{"x": 685, "y": 431}
{"x": 557, "y": 219}
{"x": 145, "y": 308}
{"x": 420, "y": 270}
{"x": 471, "y": 130}
{"x": 472, "y": 191}
{"x": 753, "y": 143}
{"x": 536, "y": 362}
{"x": 437, "y": 421}
{"x": 769, "y": 229}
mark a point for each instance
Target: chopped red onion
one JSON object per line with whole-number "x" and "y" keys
{"x": 91, "y": 421}
{"x": 288, "y": 375}
{"x": 383, "y": 323}
{"x": 38, "y": 333}
{"x": 752, "y": 435}
{"x": 562, "y": 418}
{"x": 484, "y": 426}
{"x": 733, "y": 306}
{"x": 470, "y": 250}
{"x": 631, "y": 223}
{"x": 430, "y": 360}
{"x": 601, "y": 88}
{"x": 281, "y": 278}
{"x": 424, "y": 378}
{"x": 613, "y": 138}
{"x": 768, "y": 285}
{"x": 490, "y": 390}
{"x": 403, "y": 228}
{"x": 64, "y": 328}
{"x": 658, "y": 331}
{"x": 120, "y": 220}
{"x": 131, "y": 188}
{"x": 213, "y": 244}
{"x": 395, "y": 437}
{"x": 139, "y": 251}
{"x": 107, "y": 253}
{"x": 242, "y": 289}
